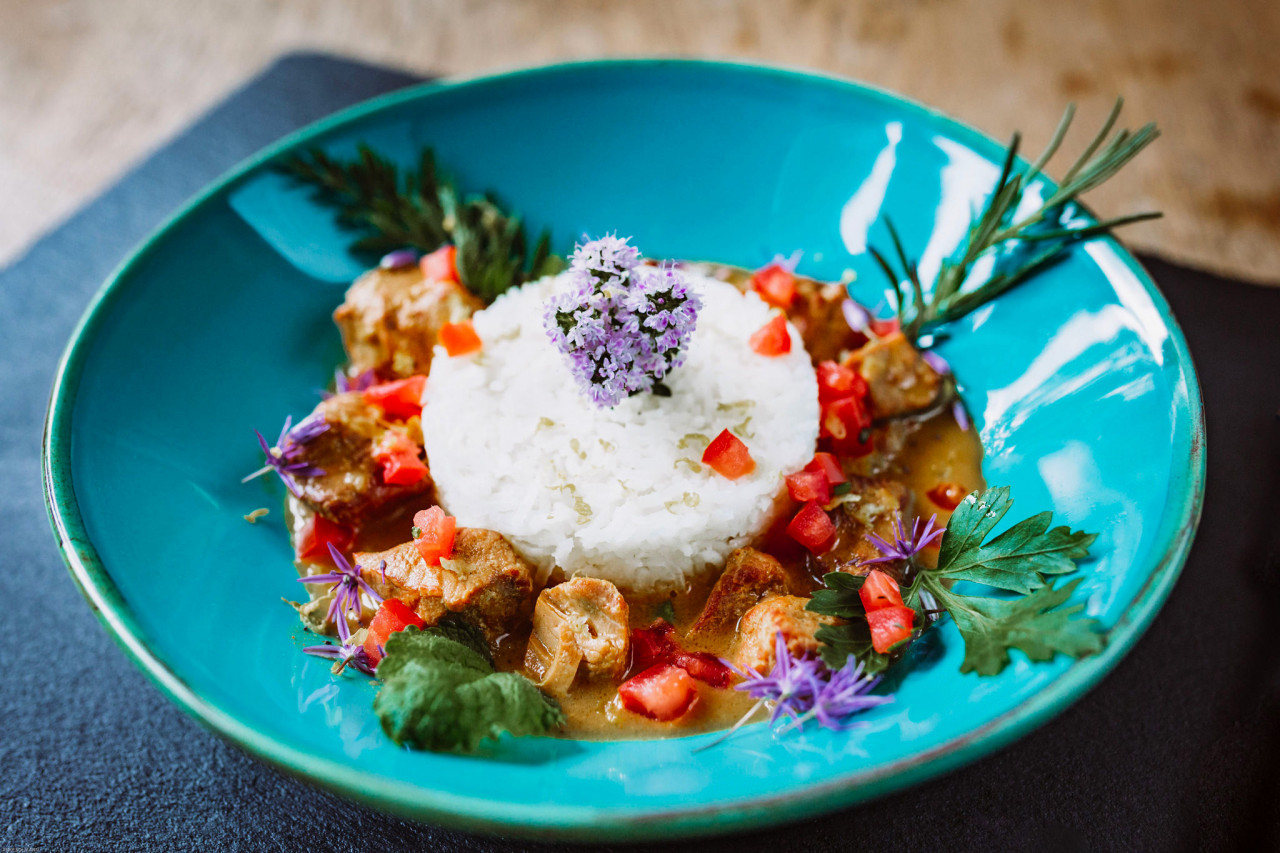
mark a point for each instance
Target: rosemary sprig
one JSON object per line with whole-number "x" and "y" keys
{"x": 1023, "y": 247}
{"x": 423, "y": 210}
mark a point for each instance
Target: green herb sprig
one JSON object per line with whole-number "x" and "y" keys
{"x": 440, "y": 692}
{"x": 421, "y": 209}
{"x": 1021, "y": 560}
{"x": 1023, "y": 247}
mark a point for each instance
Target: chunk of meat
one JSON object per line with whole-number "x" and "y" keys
{"x": 755, "y": 646}
{"x": 485, "y": 581}
{"x": 351, "y": 489}
{"x": 900, "y": 381}
{"x": 579, "y": 623}
{"x": 818, "y": 314}
{"x": 888, "y": 440}
{"x": 871, "y": 506}
{"x": 391, "y": 319}
{"x": 749, "y": 576}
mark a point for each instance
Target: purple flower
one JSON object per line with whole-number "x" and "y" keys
{"x": 285, "y": 458}
{"x": 343, "y": 382}
{"x": 937, "y": 362}
{"x": 906, "y": 544}
{"x": 962, "y": 417}
{"x": 399, "y": 259}
{"x": 804, "y": 689}
{"x": 846, "y": 694}
{"x": 345, "y": 653}
{"x": 348, "y": 584}
{"x": 621, "y": 326}
{"x": 858, "y": 318}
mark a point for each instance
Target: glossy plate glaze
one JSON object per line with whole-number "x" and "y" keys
{"x": 1080, "y": 382}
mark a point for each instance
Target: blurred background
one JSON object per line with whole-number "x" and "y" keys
{"x": 93, "y": 85}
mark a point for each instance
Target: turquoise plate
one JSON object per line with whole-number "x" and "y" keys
{"x": 1080, "y": 382}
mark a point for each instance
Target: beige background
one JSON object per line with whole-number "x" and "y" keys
{"x": 90, "y": 86}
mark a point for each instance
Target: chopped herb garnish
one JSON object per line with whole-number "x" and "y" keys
{"x": 394, "y": 209}
{"x": 1021, "y": 560}
{"x": 439, "y": 693}
{"x": 416, "y": 531}
{"x": 1023, "y": 246}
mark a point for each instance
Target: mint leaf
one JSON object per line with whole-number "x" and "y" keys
{"x": 1016, "y": 560}
{"x": 1038, "y": 624}
{"x": 439, "y": 693}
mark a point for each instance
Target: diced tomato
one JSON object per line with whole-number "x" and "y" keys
{"x": 775, "y": 284}
{"x": 398, "y": 456}
{"x": 809, "y": 486}
{"x": 434, "y": 534}
{"x": 835, "y": 381}
{"x": 947, "y": 495}
{"x": 884, "y": 328}
{"x": 772, "y": 338}
{"x": 890, "y": 626}
{"x": 829, "y": 465}
{"x": 844, "y": 418}
{"x": 460, "y": 338}
{"x": 399, "y": 399}
{"x": 879, "y": 590}
{"x": 653, "y": 645}
{"x": 729, "y": 456}
{"x": 318, "y": 534}
{"x": 394, "y": 615}
{"x": 441, "y": 265}
{"x": 705, "y": 667}
{"x": 664, "y": 693}
{"x": 813, "y": 528}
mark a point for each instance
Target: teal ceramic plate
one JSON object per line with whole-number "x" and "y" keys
{"x": 1080, "y": 383}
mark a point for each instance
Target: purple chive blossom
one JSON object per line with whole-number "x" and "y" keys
{"x": 856, "y": 316}
{"x": 621, "y": 325}
{"x": 343, "y": 382}
{"x": 348, "y": 584}
{"x": 937, "y": 362}
{"x": 906, "y": 544}
{"x": 962, "y": 417}
{"x": 345, "y": 652}
{"x": 399, "y": 259}
{"x": 284, "y": 458}
{"x": 803, "y": 689}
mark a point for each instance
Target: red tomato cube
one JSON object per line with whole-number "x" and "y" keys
{"x": 890, "y": 626}
{"x": 879, "y": 590}
{"x": 653, "y": 645}
{"x": 705, "y": 667}
{"x": 809, "y": 486}
{"x": 394, "y": 615}
{"x": 441, "y": 265}
{"x": 399, "y": 399}
{"x": 776, "y": 285}
{"x": 835, "y": 381}
{"x": 434, "y": 534}
{"x": 830, "y": 467}
{"x": 664, "y": 693}
{"x": 728, "y": 456}
{"x": 460, "y": 338}
{"x": 316, "y": 536}
{"x": 773, "y": 338}
{"x": 813, "y": 528}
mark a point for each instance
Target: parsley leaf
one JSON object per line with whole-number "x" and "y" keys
{"x": 1017, "y": 559}
{"x": 441, "y": 693}
{"x": 1038, "y": 624}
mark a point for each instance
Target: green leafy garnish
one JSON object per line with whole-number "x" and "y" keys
{"x": 420, "y": 209}
{"x": 1023, "y": 247}
{"x": 1020, "y": 560}
{"x": 440, "y": 692}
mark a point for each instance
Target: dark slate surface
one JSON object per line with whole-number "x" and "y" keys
{"x": 1178, "y": 749}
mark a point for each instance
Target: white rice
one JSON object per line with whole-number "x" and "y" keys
{"x": 618, "y": 494}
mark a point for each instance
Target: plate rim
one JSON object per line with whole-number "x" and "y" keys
{"x": 407, "y": 799}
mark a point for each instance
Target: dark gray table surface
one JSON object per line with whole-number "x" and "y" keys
{"x": 1179, "y": 748}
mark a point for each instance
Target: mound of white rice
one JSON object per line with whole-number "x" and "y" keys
{"x": 618, "y": 493}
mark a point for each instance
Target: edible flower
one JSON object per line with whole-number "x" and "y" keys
{"x": 346, "y": 653}
{"x": 906, "y": 544}
{"x": 399, "y": 259}
{"x": 363, "y": 381}
{"x": 284, "y": 457}
{"x": 348, "y": 584}
{"x": 803, "y": 689}
{"x": 621, "y": 325}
